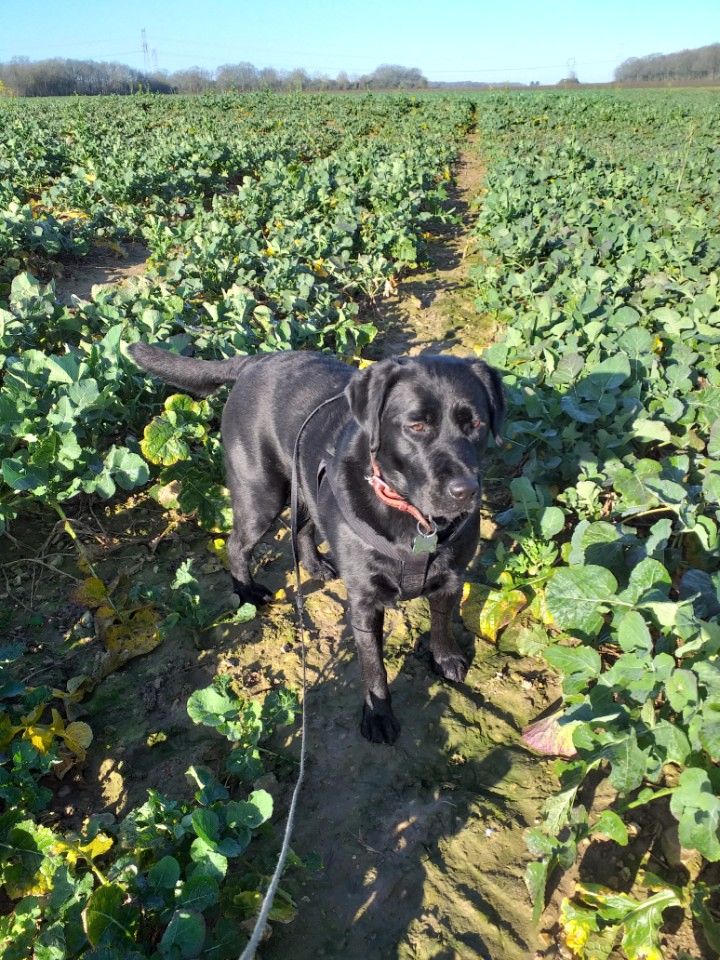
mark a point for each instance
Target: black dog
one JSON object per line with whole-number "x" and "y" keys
{"x": 416, "y": 428}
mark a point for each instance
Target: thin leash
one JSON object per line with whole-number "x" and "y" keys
{"x": 261, "y": 922}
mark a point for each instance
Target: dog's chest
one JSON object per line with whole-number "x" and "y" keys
{"x": 397, "y": 581}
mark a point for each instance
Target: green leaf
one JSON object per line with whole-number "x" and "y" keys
{"x": 128, "y": 469}
{"x": 536, "y": 874}
{"x": 163, "y": 444}
{"x": 211, "y": 707}
{"x": 609, "y": 824}
{"x": 199, "y": 893}
{"x": 649, "y": 582}
{"x": 641, "y": 927}
{"x": 255, "y": 811}
{"x": 551, "y": 521}
{"x": 633, "y": 633}
{"x": 652, "y": 430}
{"x": 213, "y": 861}
{"x": 20, "y": 476}
{"x": 578, "y": 665}
{"x": 682, "y": 690}
{"x": 107, "y": 918}
{"x": 244, "y": 764}
{"x": 697, "y": 810}
{"x": 206, "y": 825}
{"x": 211, "y": 789}
{"x": 576, "y": 597}
{"x": 628, "y": 763}
{"x": 184, "y": 936}
{"x": 165, "y": 873}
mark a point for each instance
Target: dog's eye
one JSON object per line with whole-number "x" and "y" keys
{"x": 477, "y": 423}
{"x": 418, "y": 427}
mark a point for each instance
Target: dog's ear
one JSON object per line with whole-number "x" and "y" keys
{"x": 491, "y": 380}
{"x": 366, "y": 394}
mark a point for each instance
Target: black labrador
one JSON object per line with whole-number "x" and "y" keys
{"x": 388, "y": 473}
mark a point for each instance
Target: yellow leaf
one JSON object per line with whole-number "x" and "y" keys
{"x": 218, "y": 546}
{"x": 58, "y": 724}
{"x": 40, "y": 737}
{"x": 96, "y": 847}
{"x": 485, "y": 612}
{"x": 539, "y": 610}
{"x": 78, "y": 737}
{"x": 575, "y": 928}
{"x": 90, "y": 593}
{"x": 498, "y": 610}
{"x": 37, "y": 886}
{"x": 128, "y": 638}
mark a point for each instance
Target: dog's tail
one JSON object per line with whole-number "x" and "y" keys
{"x": 200, "y": 377}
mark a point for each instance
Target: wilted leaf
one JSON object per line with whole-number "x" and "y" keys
{"x": 90, "y": 592}
{"x": 551, "y": 736}
{"x": 78, "y": 737}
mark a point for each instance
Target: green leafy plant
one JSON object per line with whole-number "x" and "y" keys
{"x": 606, "y": 275}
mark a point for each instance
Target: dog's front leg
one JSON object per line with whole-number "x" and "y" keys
{"x": 378, "y": 721}
{"x": 447, "y": 658}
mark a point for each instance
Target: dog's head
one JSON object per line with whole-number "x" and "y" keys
{"x": 427, "y": 420}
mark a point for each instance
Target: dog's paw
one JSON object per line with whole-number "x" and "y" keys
{"x": 254, "y": 593}
{"x": 378, "y": 724}
{"x": 451, "y": 666}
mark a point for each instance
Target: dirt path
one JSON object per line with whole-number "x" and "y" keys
{"x": 434, "y": 309}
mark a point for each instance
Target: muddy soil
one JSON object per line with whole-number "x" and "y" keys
{"x": 420, "y": 846}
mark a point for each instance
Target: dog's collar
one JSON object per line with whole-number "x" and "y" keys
{"x": 391, "y": 498}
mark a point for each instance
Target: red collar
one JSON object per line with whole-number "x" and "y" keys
{"x": 390, "y": 497}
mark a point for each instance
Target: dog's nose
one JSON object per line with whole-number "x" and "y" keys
{"x": 463, "y": 488}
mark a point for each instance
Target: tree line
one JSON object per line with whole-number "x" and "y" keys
{"x": 702, "y": 63}
{"x": 59, "y": 77}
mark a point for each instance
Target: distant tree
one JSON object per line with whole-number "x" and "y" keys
{"x": 269, "y": 79}
{"x": 701, "y": 63}
{"x": 59, "y": 77}
{"x": 237, "y": 76}
{"x": 390, "y": 76}
{"x": 192, "y": 80}
{"x": 297, "y": 80}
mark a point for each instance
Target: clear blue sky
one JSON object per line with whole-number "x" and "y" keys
{"x": 489, "y": 40}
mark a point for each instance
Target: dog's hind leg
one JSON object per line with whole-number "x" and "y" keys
{"x": 254, "y": 510}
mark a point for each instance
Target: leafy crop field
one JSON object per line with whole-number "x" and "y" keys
{"x": 270, "y": 222}
{"x": 600, "y": 237}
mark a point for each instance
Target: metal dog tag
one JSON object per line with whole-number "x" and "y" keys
{"x": 425, "y": 542}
